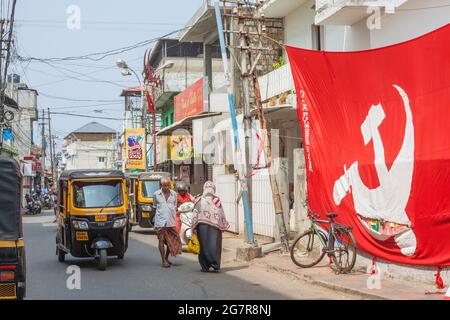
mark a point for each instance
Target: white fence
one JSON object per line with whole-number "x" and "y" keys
{"x": 226, "y": 186}
{"x": 263, "y": 212}
{"x": 262, "y": 206}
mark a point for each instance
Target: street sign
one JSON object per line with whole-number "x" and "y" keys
{"x": 8, "y": 134}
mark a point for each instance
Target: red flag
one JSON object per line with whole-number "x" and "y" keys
{"x": 376, "y": 130}
{"x": 151, "y": 105}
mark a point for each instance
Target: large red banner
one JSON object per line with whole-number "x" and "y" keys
{"x": 376, "y": 132}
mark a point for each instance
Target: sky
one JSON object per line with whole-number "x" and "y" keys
{"x": 82, "y": 86}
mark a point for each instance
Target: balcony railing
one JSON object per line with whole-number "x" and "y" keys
{"x": 276, "y": 82}
{"x": 347, "y": 12}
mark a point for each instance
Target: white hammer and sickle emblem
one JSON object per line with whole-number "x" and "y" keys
{"x": 387, "y": 202}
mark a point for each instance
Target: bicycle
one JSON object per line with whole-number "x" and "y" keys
{"x": 311, "y": 246}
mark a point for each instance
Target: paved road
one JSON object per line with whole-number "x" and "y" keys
{"x": 140, "y": 275}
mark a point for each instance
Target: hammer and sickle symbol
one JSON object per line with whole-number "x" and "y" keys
{"x": 387, "y": 202}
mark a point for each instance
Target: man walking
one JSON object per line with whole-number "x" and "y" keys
{"x": 166, "y": 206}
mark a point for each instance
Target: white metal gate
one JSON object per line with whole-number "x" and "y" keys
{"x": 262, "y": 204}
{"x": 226, "y": 189}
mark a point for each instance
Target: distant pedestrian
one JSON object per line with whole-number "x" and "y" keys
{"x": 209, "y": 222}
{"x": 166, "y": 206}
{"x": 183, "y": 197}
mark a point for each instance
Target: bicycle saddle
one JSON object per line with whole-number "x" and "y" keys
{"x": 332, "y": 215}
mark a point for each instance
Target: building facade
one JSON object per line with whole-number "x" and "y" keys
{"x": 93, "y": 146}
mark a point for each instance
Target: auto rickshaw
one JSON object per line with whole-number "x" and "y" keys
{"x": 92, "y": 215}
{"x": 142, "y": 186}
{"x": 12, "y": 245}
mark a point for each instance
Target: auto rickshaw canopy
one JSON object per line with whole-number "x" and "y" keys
{"x": 10, "y": 199}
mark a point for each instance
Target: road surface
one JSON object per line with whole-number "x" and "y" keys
{"x": 140, "y": 275}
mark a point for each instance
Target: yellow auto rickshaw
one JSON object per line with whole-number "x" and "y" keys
{"x": 92, "y": 215}
{"x": 142, "y": 186}
{"x": 12, "y": 245}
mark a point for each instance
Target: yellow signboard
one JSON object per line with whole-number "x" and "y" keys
{"x": 135, "y": 148}
{"x": 181, "y": 147}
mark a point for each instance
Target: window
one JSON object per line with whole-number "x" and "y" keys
{"x": 90, "y": 194}
{"x": 102, "y": 159}
{"x": 150, "y": 187}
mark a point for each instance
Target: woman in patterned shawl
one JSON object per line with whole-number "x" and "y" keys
{"x": 209, "y": 222}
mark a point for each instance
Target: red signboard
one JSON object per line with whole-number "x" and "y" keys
{"x": 38, "y": 166}
{"x": 189, "y": 102}
{"x": 376, "y": 138}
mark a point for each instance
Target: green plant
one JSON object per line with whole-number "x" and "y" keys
{"x": 281, "y": 62}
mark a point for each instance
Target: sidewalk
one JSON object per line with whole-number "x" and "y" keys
{"x": 323, "y": 275}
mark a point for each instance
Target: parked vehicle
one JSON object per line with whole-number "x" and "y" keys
{"x": 32, "y": 207}
{"x": 92, "y": 215}
{"x": 186, "y": 214}
{"x": 337, "y": 242}
{"x": 47, "y": 201}
{"x": 142, "y": 186}
{"x": 37, "y": 198}
{"x": 12, "y": 245}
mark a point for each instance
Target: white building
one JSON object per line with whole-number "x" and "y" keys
{"x": 21, "y": 101}
{"x": 92, "y": 146}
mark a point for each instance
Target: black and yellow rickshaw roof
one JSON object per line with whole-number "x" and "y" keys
{"x": 10, "y": 200}
{"x": 89, "y": 174}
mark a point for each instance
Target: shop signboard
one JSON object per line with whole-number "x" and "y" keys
{"x": 135, "y": 149}
{"x": 190, "y": 101}
{"x": 180, "y": 147}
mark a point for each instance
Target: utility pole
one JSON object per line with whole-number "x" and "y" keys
{"x": 249, "y": 16}
{"x": 50, "y": 138}
{"x": 55, "y": 174}
{"x": 246, "y": 92}
{"x": 43, "y": 150}
{"x": 241, "y": 167}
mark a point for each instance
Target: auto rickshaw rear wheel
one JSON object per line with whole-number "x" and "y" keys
{"x": 121, "y": 256}
{"x": 103, "y": 259}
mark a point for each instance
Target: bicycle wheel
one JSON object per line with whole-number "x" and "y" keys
{"x": 307, "y": 250}
{"x": 344, "y": 251}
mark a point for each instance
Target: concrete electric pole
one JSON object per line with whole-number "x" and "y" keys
{"x": 251, "y": 31}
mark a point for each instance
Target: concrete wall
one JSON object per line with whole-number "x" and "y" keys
{"x": 86, "y": 155}
{"x": 409, "y": 21}
{"x": 298, "y": 26}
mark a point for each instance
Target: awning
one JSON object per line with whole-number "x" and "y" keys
{"x": 186, "y": 123}
{"x": 132, "y": 91}
{"x": 269, "y": 110}
{"x": 202, "y": 27}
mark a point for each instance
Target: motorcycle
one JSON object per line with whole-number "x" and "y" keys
{"x": 47, "y": 201}
{"x": 186, "y": 214}
{"x": 32, "y": 207}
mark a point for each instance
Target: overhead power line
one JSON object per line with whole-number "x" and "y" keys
{"x": 97, "y": 56}
{"x": 85, "y": 116}
{"x": 77, "y": 100}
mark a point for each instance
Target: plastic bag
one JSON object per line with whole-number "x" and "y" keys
{"x": 194, "y": 245}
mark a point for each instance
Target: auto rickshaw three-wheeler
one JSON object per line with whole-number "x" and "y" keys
{"x": 12, "y": 245}
{"x": 142, "y": 187}
{"x": 93, "y": 216}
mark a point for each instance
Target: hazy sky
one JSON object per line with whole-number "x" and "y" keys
{"x": 42, "y": 32}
